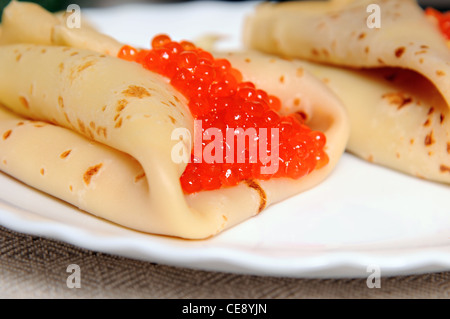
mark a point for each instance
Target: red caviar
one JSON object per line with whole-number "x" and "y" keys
{"x": 219, "y": 97}
{"x": 443, "y": 20}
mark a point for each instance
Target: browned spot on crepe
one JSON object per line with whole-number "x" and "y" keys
{"x": 85, "y": 66}
{"x": 121, "y": 104}
{"x": 299, "y": 72}
{"x": 429, "y": 139}
{"x": 172, "y": 119}
{"x": 448, "y": 147}
{"x": 302, "y": 115}
{"x": 262, "y": 194}
{"x": 65, "y": 154}
{"x": 24, "y": 102}
{"x": 79, "y": 69}
{"x": 136, "y": 91}
{"x": 444, "y": 169}
{"x": 139, "y": 177}
{"x": 91, "y": 171}
{"x": 81, "y": 126}
{"x": 7, "y": 134}
{"x": 42, "y": 171}
{"x": 441, "y": 118}
{"x": 101, "y": 130}
{"x": 119, "y": 123}
{"x": 89, "y": 132}
{"x": 440, "y": 73}
{"x": 67, "y": 118}
{"x": 18, "y": 57}
{"x": 399, "y": 52}
{"x": 60, "y": 101}
{"x": 397, "y": 98}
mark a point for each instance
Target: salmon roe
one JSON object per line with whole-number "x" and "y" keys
{"x": 443, "y": 20}
{"x": 218, "y": 96}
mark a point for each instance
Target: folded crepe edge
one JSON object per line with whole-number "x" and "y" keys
{"x": 270, "y": 29}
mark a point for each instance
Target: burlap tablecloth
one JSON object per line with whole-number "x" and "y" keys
{"x": 35, "y": 267}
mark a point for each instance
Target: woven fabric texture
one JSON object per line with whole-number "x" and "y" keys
{"x": 36, "y": 267}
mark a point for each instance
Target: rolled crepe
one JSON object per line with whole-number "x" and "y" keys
{"x": 26, "y": 22}
{"x": 95, "y": 131}
{"x": 399, "y": 110}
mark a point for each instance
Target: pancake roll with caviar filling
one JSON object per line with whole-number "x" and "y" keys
{"x": 127, "y": 134}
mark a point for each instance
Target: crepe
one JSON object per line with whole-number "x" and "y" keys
{"x": 26, "y": 22}
{"x": 95, "y": 131}
{"x": 393, "y": 79}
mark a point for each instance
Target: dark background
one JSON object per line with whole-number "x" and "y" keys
{"x": 57, "y": 5}
{"x": 54, "y": 5}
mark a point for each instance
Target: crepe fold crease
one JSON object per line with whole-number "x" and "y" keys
{"x": 394, "y": 79}
{"x": 96, "y": 132}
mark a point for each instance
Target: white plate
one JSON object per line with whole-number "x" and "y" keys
{"x": 362, "y": 216}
